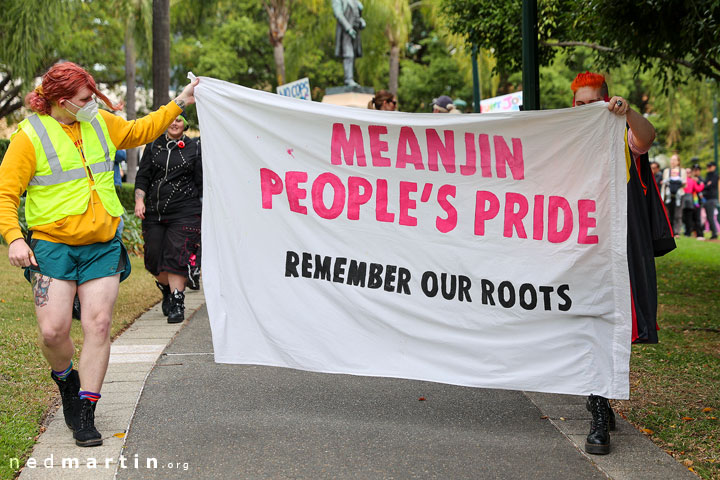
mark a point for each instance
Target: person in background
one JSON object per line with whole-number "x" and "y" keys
{"x": 168, "y": 189}
{"x": 692, "y": 203}
{"x": 62, "y": 155}
{"x": 649, "y": 235}
{"x": 657, "y": 173}
{"x": 674, "y": 181}
{"x": 711, "y": 198}
{"x": 444, "y": 104}
{"x": 383, "y": 100}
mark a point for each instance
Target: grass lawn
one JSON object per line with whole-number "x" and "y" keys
{"x": 675, "y": 385}
{"x": 26, "y": 390}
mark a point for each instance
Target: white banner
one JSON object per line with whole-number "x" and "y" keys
{"x": 480, "y": 250}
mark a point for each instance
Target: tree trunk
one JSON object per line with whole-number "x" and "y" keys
{"x": 132, "y": 153}
{"x": 394, "y": 68}
{"x": 161, "y": 53}
{"x": 279, "y": 53}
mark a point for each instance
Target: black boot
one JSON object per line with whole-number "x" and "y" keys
{"x": 193, "y": 278}
{"x": 165, "y": 289}
{"x": 598, "y": 440}
{"x": 86, "y": 435}
{"x": 69, "y": 389}
{"x": 177, "y": 307}
{"x": 76, "y": 308}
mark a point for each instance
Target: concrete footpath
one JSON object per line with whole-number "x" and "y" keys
{"x": 172, "y": 412}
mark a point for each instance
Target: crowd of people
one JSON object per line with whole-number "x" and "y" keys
{"x": 690, "y": 199}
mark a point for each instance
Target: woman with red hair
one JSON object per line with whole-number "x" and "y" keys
{"x": 62, "y": 156}
{"x": 649, "y": 234}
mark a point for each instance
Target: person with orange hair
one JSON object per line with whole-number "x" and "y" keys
{"x": 62, "y": 156}
{"x": 649, "y": 235}
{"x": 591, "y": 87}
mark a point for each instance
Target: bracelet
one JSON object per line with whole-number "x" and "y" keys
{"x": 180, "y": 103}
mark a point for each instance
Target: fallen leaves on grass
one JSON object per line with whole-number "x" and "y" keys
{"x": 647, "y": 431}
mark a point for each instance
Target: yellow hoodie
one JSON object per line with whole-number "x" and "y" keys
{"x": 95, "y": 225}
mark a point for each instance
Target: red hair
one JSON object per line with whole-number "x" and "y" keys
{"x": 589, "y": 79}
{"x": 63, "y": 81}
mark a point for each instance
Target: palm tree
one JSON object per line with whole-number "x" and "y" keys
{"x": 161, "y": 52}
{"x": 138, "y": 23}
{"x": 279, "y": 16}
{"x": 395, "y": 18}
{"x": 27, "y": 45}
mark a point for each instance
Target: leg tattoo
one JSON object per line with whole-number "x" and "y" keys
{"x": 41, "y": 285}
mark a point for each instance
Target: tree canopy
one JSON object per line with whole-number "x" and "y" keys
{"x": 678, "y": 37}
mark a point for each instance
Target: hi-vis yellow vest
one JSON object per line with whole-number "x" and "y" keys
{"x": 60, "y": 187}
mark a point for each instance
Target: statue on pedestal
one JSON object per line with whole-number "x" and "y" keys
{"x": 347, "y": 35}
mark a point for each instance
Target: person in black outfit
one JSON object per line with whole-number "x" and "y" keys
{"x": 168, "y": 194}
{"x": 711, "y": 198}
{"x": 649, "y": 235}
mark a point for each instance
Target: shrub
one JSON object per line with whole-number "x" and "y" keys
{"x": 132, "y": 234}
{"x": 126, "y": 194}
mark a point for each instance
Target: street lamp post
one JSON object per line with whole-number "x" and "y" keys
{"x": 715, "y": 124}
{"x": 531, "y": 72}
{"x": 476, "y": 79}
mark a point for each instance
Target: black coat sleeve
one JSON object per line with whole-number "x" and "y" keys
{"x": 143, "y": 176}
{"x": 660, "y": 226}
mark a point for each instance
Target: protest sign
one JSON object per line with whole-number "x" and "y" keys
{"x": 480, "y": 250}
{"x": 504, "y": 103}
{"x": 297, "y": 89}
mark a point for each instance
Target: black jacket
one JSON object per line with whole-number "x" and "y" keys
{"x": 711, "y": 185}
{"x": 649, "y": 235}
{"x": 171, "y": 177}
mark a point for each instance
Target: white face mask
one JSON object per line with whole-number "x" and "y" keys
{"x": 86, "y": 113}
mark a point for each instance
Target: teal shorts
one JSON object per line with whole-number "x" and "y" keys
{"x": 79, "y": 263}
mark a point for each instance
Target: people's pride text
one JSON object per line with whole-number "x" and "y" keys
{"x": 551, "y": 218}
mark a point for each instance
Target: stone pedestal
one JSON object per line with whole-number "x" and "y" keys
{"x": 349, "y": 96}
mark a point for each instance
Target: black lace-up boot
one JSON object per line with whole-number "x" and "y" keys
{"x": 165, "y": 289}
{"x": 86, "y": 435}
{"x": 177, "y": 307}
{"x": 69, "y": 389}
{"x": 76, "y": 308}
{"x": 598, "y": 440}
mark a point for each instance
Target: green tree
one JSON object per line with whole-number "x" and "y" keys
{"x": 310, "y": 48}
{"x": 225, "y": 39}
{"x": 393, "y": 19}
{"x": 91, "y": 36}
{"x": 26, "y": 46}
{"x": 678, "y": 37}
{"x": 138, "y": 25}
{"x": 278, "y": 12}
{"x": 436, "y": 64}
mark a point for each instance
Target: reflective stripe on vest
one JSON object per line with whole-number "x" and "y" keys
{"x": 58, "y": 174}
{"x": 66, "y": 173}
